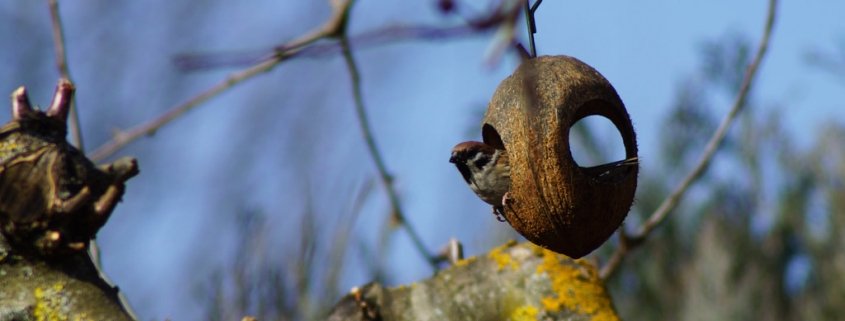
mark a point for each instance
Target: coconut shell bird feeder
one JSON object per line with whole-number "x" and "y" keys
{"x": 554, "y": 202}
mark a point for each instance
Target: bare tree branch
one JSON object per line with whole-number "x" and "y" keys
{"x": 307, "y": 45}
{"x": 627, "y": 242}
{"x": 334, "y": 28}
{"x": 303, "y": 46}
{"x": 76, "y": 136}
{"x": 123, "y": 137}
{"x": 64, "y": 71}
{"x": 396, "y": 209}
{"x": 511, "y": 282}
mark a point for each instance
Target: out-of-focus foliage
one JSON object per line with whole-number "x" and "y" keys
{"x": 290, "y": 282}
{"x": 759, "y": 236}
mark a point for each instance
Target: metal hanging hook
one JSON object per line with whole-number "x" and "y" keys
{"x": 532, "y": 27}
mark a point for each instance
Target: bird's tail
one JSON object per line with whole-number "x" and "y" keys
{"x": 610, "y": 169}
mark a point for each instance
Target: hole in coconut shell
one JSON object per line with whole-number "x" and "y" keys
{"x": 491, "y": 137}
{"x": 594, "y": 141}
{"x": 617, "y": 116}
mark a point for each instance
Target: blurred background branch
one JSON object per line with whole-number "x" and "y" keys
{"x": 123, "y": 137}
{"x": 64, "y": 71}
{"x": 397, "y": 216}
{"x": 626, "y": 241}
{"x": 265, "y": 201}
{"x": 306, "y": 45}
{"x": 335, "y": 27}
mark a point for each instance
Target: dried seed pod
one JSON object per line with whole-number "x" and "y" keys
{"x": 554, "y": 202}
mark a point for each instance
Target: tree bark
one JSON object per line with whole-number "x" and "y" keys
{"x": 511, "y": 282}
{"x": 66, "y": 289}
{"x": 53, "y": 201}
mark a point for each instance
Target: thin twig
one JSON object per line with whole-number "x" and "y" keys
{"x": 76, "y": 136}
{"x": 386, "y": 179}
{"x": 505, "y": 13}
{"x": 122, "y": 138}
{"x": 304, "y": 46}
{"x": 64, "y": 71}
{"x": 391, "y": 34}
{"x": 626, "y": 242}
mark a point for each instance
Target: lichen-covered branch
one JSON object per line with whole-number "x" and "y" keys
{"x": 70, "y": 289}
{"x": 511, "y": 282}
{"x": 53, "y": 201}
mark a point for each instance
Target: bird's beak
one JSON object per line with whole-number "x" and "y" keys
{"x": 453, "y": 159}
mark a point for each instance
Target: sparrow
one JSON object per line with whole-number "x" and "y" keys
{"x": 486, "y": 170}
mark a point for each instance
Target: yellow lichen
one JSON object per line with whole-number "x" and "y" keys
{"x": 49, "y": 303}
{"x": 577, "y": 287}
{"x": 502, "y": 258}
{"x": 466, "y": 261}
{"x": 524, "y": 313}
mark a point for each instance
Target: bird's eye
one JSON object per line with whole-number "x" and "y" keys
{"x": 454, "y": 158}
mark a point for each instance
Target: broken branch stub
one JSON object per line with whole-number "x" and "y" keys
{"x": 53, "y": 200}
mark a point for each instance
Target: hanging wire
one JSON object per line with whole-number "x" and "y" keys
{"x": 532, "y": 27}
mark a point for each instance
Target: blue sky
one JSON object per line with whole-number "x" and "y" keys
{"x": 290, "y": 135}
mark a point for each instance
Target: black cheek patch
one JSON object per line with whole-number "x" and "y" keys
{"x": 464, "y": 171}
{"x": 481, "y": 161}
